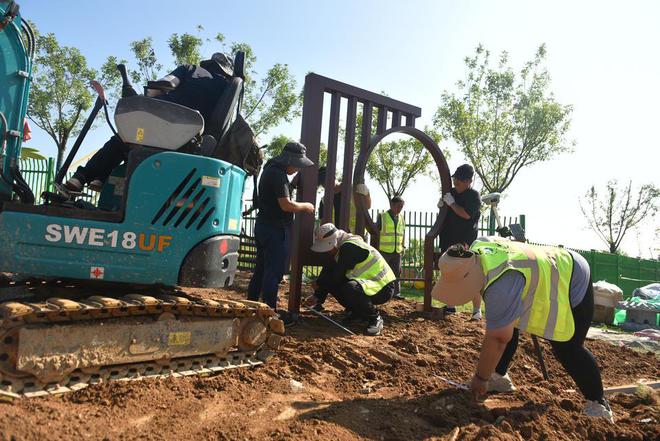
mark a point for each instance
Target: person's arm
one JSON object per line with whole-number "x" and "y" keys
{"x": 504, "y": 306}
{"x": 363, "y": 191}
{"x": 290, "y": 206}
{"x": 492, "y": 348}
{"x": 281, "y": 189}
{"x": 473, "y": 204}
{"x": 349, "y": 256}
{"x": 460, "y": 211}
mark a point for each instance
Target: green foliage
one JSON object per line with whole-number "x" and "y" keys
{"x": 612, "y": 213}
{"x": 30, "y": 153}
{"x": 272, "y": 100}
{"x": 268, "y": 100}
{"x": 110, "y": 77}
{"x": 59, "y": 93}
{"x": 396, "y": 164}
{"x": 276, "y": 145}
{"x": 147, "y": 62}
{"x": 186, "y": 48}
{"x": 503, "y": 121}
{"x": 414, "y": 253}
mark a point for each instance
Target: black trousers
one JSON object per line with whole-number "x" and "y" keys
{"x": 394, "y": 261}
{"x": 578, "y": 362}
{"x": 111, "y": 155}
{"x": 350, "y": 295}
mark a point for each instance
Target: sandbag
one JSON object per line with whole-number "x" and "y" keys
{"x": 607, "y": 294}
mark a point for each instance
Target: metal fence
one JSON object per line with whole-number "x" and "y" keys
{"x": 418, "y": 223}
{"x": 626, "y": 272}
{"x": 40, "y": 176}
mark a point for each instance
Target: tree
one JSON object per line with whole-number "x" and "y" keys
{"x": 185, "y": 48}
{"x": 276, "y": 145}
{"x": 618, "y": 210}
{"x": 267, "y": 101}
{"x": 504, "y": 122}
{"x": 396, "y": 164}
{"x": 59, "y": 92}
{"x": 145, "y": 55}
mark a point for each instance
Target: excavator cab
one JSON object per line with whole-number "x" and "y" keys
{"x": 94, "y": 288}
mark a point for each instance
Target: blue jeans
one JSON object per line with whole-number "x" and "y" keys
{"x": 272, "y": 256}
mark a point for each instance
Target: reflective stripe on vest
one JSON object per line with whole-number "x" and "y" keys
{"x": 391, "y": 237}
{"x": 547, "y": 271}
{"x": 373, "y": 273}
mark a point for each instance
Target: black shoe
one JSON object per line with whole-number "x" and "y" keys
{"x": 288, "y": 318}
{"x": 398, "y": 297}
{"x": 375, "y": 325}
{"x": 450, "y": 310}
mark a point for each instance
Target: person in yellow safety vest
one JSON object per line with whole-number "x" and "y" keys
{"x": 392, "y": 229}
{"x": 358, "y": 276}
{"x": 545, "y": 291}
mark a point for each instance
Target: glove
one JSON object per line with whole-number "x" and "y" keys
{"x": 362, "y": 189}
{"x": 441, "y": 203}
{"x": 449, "y": 199}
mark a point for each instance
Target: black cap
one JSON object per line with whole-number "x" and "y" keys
{"x": 294, "y": 155}
{"x": 220, "y": 64}
{"x": 464, "y": 172}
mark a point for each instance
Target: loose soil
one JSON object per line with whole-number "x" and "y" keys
{"x": 325, "y": 384}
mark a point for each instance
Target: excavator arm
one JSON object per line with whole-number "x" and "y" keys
{"x": 17, "y": 44}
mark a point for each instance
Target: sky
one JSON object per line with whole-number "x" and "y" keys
{"x": 601, "y": 56}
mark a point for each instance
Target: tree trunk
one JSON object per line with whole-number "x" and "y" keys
{"x": 612, "y": 248}
{"x": 60, "y": 159}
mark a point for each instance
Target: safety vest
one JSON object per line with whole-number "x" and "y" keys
{"x": 391, "y": 236}
{"x": 373, "y": 273}
{"x": 547, "y": 271}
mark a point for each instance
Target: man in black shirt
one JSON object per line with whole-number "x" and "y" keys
{"x": 273, "y": 226}
{"x": 461, "y": 224}
{"x": 192, "y": 86}
{"x": 358, "y": 277}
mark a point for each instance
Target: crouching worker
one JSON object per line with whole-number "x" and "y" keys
{"x": 544, "y": 291}
{"x": 358, "y": 278}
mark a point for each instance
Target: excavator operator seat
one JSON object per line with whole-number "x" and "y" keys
{"x": 155, "y": 123}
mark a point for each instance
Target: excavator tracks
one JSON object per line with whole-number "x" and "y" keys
{"x": 61, "y": 345}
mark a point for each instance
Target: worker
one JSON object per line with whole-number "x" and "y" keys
{"x": 272, "y": 230}
{"x": 195, "y": 87}
{"x": 545, "y": 291}
{"x": 358, "y": 277}
{"x": 392, "y": 227}
{"x": 460, "y": 226}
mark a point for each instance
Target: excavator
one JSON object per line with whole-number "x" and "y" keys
{"x": 92, "y": 292}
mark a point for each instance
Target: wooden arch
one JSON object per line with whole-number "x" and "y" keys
{"x": 445, "y": 181}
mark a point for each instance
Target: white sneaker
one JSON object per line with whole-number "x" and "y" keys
{"x": 596, "y": 410}
{"x": 375, "y": 325}
{"x": 476, "y": 316}
{"x": 500, "y": 383}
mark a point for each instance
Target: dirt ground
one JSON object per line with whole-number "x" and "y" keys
{"x": 323, "y": 384}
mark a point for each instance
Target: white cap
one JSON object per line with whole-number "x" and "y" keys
{"x": 325, "y": 238}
